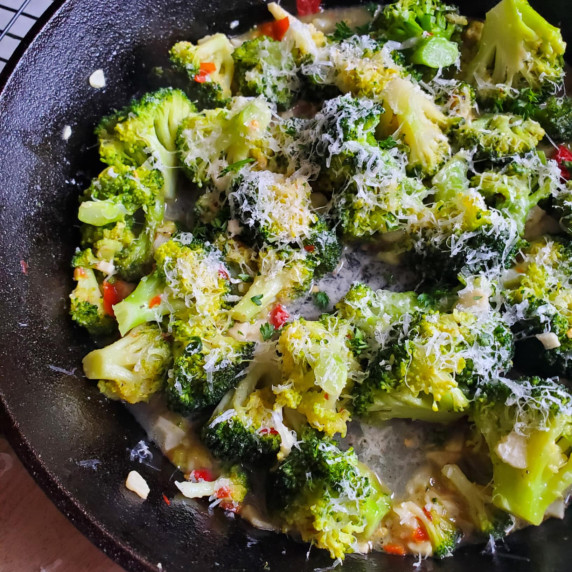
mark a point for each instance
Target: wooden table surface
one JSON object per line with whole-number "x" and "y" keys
{"x": 34, "y": 535}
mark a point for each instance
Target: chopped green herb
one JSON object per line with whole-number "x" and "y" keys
{"x": 267, "y": 331}
{"x": 322, "y": 300}
{"x": 235, "y": 167}
{"x": 342, "y": 32}
{"x": 257, "y": 299}
{"x": 245, "y": 277}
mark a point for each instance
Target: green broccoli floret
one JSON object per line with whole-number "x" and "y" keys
{"x": 431, "y": 361}
{"x": 272, "y": 208}
{"x": 517, "y": 188}
{"x": 214, "y": 140}
{"x": 512, "y": 28}
{"x": 113, "y": 231}
{"x": 228, "y": 491}
{"x": 86, "y": 303}
{"x": 436, "y": 26}
{"x": 488, "y": 520}
{"x": 555, "y": 116}
{"x": 324, "y": 247}
{"x": 190, "y": 278}
{"x": 207, "y": 365}
{"x": 375, "y": 311}
{"x": 327, "y": 495}
{"x": 538, "y": 293}
{"x": 419, "y": 122}
{"x": 132, "y": 368}
{"x": 562, "y": 206}
{"x": 318, "y": 366}
{"x": 264, "y": 66}
{"x": 527, "y": 425}
{"x": 244, "y": 427}
{"x": 284, "y": 275}
{"x": 500, "y": 135}
{"x": 209, "y": 66}
{"x": 461, "y": 233}
{"x": 144, "y": 132}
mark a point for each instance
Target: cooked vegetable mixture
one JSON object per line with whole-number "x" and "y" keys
{"x": 412, "y": 136}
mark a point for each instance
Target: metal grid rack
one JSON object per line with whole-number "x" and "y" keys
{"x": 16, "y": 19}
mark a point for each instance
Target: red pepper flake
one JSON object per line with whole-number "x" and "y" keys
{"x": 427, "y": 514}
{"x": 327, "y": 395}
{"x": 223, "y": 274}
{"x": 223, "y": 493}
{"x": 113, "y": 293}
{"x": 167, "y": 501}
{"x": 24, "y": 267}
{"x": 155, "y": 301}
{"x": 276, "y": 30}
{"x": 309, "y": 248}
{"x": 201, "y": 77}
{"x": 201, "y": 475}
{"x": 207, "y": 67}
{"x": 278, "y": 316}
{"x": 420, "y": 534}
{"x": 307, "y": 7}
{"x": 268, "y": 431}
{"x": 396, "y": 549}
{"x": 563, "y": 156}
{"x": 230, "y": 506}
{"x": 78, "y": 273}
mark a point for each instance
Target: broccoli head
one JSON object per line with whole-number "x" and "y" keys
{"x": 419, "y": 122}
{"x": 527, "y": 426}
{"x": 207, "y": 365}
{"x": 500, "y": 135}
{"x": 244, "y": 427}
{"x": 318, "y": 366}
{"x": 538, "y": 295}
{"x": 555, "y": 116}
{"x": 214, "y": 140}
{"x": 284, "y": 274}
{"x": 438, "y": 358}
{"x": 327, "y": 495}
{"x": 144, "y": 133}
{"x": 499, "y": 69}
{"x": 264, "y": 66}
{"x": 209, "y": 66}
{"x": 436, "y": 26}
{"x": 132, "y": 368}
{"x": 86, "y": 303}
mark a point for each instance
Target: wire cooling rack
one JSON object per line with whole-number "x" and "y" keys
{"x": 16, "y": 19}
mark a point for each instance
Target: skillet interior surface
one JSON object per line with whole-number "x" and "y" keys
{"x": 53, "y": 417}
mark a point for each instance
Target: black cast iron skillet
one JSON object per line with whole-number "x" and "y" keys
{"x": 53, "y": 417}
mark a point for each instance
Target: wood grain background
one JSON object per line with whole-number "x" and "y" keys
{"x": 34, "y": 535}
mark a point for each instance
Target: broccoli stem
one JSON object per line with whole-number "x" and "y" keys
{"x": 138, "y": 307}
{"x": 260, "y": 296}
{"x": 100, "y": 213}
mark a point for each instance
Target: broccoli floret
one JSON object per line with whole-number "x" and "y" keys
{"x": 272, "y": 208}
{"x": 527, "y": 427}
{"x": 441, "y": 355}
{"x": 555, "y": 116}
{"x": 228, "y": 491}
{"x": 86, "y": 304}
{"x": 419, "y": 122}
{"x": 538, "y": 294}
{"x": 207, "y": 365}
{"x": 501, "y": 135}
{"x": 512, "y": 28}
{"x": 112, "y": 230}
{"x": 487, "y": 519}
{"x": 209, "y": 66}
{"x": 375, "y": 311}
{"x": 324, "y": 247}
{"x": 244, "y": 427}
{"x": 214, "y": 139}
{"x": 517, "y": 188}
{"x": 456, "y": 98}
{"x": 437, "y": 27}
{"x": 144, "y": 132}
{"x": 327, "y": 495}
{"x": 264, "y": 66}
{"x": 284, "y": 275}
{"x": 190, "y": 277}
{"x": 132, "y": 368}
{"x": 317, "y": 367}
{"x": 562, "y": 206}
